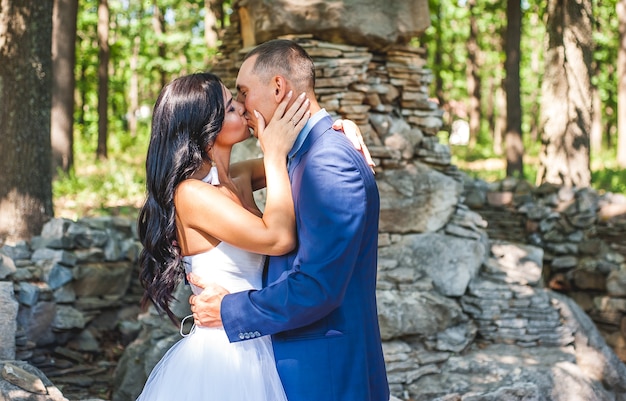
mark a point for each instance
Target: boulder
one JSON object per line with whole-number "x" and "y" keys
{"x": 376, "y": 24}
{"x": 416, "y": 199}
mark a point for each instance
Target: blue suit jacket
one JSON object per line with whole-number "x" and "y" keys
{"x": 320, "y": 301}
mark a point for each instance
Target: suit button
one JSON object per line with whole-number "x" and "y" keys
{"x": 241, "y": 336}
{"x": 247, "y": 336}
{"x": 257, "y": 334}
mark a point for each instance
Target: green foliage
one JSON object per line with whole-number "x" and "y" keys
{"x": 606, "y": 175}
{"x": 609, "y": 180}
{"x": 606, "y": 38}
{"x": 160, "y": 57}
{"x": 446, "y": 44}
{"x": 96, "y": 186}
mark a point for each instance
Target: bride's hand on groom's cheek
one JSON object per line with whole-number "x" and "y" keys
{"x": 206, "y": 306}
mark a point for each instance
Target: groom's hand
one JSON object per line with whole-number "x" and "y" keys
{"x": 206, "y": 306}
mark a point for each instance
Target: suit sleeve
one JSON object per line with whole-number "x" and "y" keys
{"x": 331, "y": 209}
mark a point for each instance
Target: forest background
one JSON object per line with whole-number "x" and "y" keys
{"x": 125, "y": 51}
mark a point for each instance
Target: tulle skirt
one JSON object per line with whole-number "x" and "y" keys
{"x": 205, "y": 366}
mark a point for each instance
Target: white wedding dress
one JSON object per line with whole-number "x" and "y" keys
{"x": 205, "y": 366}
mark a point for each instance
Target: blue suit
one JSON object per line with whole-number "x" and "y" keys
{"x": 320, "y": 300}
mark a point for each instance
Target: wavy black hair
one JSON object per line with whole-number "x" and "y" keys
{"x": 187, "y": 117}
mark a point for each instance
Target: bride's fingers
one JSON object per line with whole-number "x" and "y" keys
{"x": 282, "y": 106}
{"x": 260, "y": 125}
{"x": 297, "y": 109}
{"x": 301, "y": 112}
{"x": 302, "y": 120}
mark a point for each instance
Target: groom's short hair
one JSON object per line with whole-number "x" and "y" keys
{"x": 287, "y": 58}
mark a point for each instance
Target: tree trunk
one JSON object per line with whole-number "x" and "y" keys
{"x": 499, "y": 127}
{"x": 82, "y": 94}
{"x": 438, "y": 59}
{"x": 210, "y": 22}
{"x": 595, "y": 137}
{"x": 513, "y": 135}
{"x": 103, "y": 78}
{"x": 473, "y": 77}
{"x": 536, "y": 68}
{"x": 25, "y": 103}
{"x": 566, "y": 95}
{"x": 63, "y": 82}
{"x": 621, "y": 86}
{"x": 158, "y": 24}
{"x": 133, "y": 90}
{"x": 490, "y": 111}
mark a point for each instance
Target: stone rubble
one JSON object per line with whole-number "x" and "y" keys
{"x": 582, "y": 235}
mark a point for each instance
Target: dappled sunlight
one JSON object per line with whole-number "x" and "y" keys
{"x": 517, "y": 356}
{"x": 111, "y": 187}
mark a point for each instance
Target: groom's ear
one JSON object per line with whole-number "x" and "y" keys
{"x": 280, "y": 88}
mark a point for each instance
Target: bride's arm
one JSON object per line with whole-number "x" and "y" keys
{"x": 252, "y": 168}
{"x": 207, "y": 209}
{"x": 255, "y": 169}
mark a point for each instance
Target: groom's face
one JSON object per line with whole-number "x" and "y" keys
{"x": 255, "y": 94}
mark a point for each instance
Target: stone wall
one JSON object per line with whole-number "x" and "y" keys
{"x": 70, "y": 297}
{"x": 444, "y": 326}
{"x": 583, "y": 235}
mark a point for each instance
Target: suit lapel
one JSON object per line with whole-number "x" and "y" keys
{"x": 323, "y": 125}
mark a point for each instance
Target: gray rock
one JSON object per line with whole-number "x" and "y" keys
{"x": 594, "y": 356}
{"x": 616, "y": 283}
{"x": 99, "y": 279}
{"x": 54, "y": 235}
{"x": 19, "y": 251}
{"x": 61, "y": 256}
{"x": 450, "y": 262}
{"x": 141, "y": 356}
{"x": 67, "y": 318}
{"x": 8, "y": 322}
{"x": 21, "y": 381}
{"x": 402, "y": 313}
{"x": 56, "y": 275}
{"x": 7, "y": 266}
{"x": 416, "y": 199}
{"x": 372, "y": 24}
{"x": 516, "y": 263}
{"x": 37, "y": 322}
{"x": 29, "y": 293}
{"x": 457, "y": 338}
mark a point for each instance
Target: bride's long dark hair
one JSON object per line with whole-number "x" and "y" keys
{"x": 187, "y": 117}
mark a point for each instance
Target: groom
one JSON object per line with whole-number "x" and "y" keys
{"x": 319, "y": 301}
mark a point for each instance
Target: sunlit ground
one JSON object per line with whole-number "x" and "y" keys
{"x": 113, "y": 187}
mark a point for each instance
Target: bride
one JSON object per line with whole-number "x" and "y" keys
{"x": 200, "y": 216}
